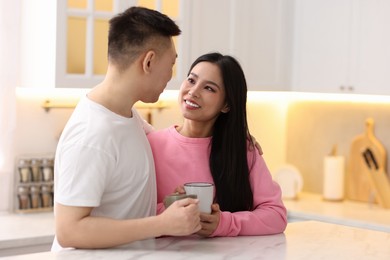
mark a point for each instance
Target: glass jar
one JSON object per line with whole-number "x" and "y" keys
{"x": 35, "y": 196}
{"x": 47, "y": 169}
{"x": 23, "y": 196}
{"x": 36, "y": 169}
{"x": 47, "y": 196}
{"x": 24, "y": 167}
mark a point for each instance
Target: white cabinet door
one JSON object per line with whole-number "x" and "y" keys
{"x": 322, "y": 40}
{"x": 210, "y": 27}
{"x": 64, "y": 43}
{"x": 262, "y": 43}
{"x": 253, "y": 31}
{"x": 38, "y": 48}
{"x": 342, "y": 46}
{"x": 372, "y": 72}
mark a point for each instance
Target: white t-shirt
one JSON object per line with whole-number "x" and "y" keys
{"x": 104, "y": 161}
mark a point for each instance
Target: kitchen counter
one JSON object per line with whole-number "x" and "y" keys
{"x": 34, "y": 232}
{"x": 26, "y": 233}
{"x": 310, "y": 206}
{"x": 301, "y": 240}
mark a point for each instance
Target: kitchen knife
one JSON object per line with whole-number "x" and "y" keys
{"x": 365, "y": 156}
{"x": 372, "y": 158}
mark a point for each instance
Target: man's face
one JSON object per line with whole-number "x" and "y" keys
{"x": 162, "y": 72}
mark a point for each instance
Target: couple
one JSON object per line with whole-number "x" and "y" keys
{"x": 106, "y": 167}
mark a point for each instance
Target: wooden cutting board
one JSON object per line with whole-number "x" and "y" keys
{"x": 359, "y": 186}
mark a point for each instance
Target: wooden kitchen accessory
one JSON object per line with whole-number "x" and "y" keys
{"x": 359, "y": 185}
{"x": 381, "y": 185}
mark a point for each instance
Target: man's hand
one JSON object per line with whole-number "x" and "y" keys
{"x": 182, "y": 217}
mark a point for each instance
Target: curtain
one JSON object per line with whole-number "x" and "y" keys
{"x": 9, "y": 79}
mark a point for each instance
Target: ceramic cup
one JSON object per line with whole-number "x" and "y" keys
{"x": 168, "y": 200}
{"x": 205, "y": 193}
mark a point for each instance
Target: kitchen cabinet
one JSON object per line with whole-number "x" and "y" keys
{"x": 179, "y": 11}
{"x": 64, "y": 43}
{"x": 257, "y": 33}
{"x": 341, "y": 46}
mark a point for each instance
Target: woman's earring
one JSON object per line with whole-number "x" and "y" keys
{"x": 225, "y": 109}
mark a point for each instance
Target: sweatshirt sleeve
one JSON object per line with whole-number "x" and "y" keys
{"x": 160, "y": 208}
{"x": 269, "y": 215}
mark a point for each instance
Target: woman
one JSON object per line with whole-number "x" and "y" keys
{"x": 212, "y": 145}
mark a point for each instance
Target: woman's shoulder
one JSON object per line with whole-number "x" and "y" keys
{"x": 156, "y": 134}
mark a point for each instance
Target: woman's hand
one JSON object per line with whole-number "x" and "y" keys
{"x": 180, "y": 190}
{"x": 256, "y": 145}
{"x": 209, "y": 222}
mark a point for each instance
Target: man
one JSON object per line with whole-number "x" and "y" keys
{"x": 105, "y": 188}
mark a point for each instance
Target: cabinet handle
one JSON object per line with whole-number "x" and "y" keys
{"x": 347, "y": 88}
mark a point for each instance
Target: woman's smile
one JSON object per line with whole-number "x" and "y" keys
{"x": 191, "y": 104}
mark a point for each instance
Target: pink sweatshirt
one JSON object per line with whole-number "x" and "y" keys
{"x": 180, "y": 159}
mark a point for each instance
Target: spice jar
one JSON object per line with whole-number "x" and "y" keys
{"x": 24, "y": 167}
{"x": 36, "y": 169}
{"x": 47, "y": 169}
{"x": 35, "y": 196}
{"x": 23, "y": 196}
{"x": 47, "y": 196}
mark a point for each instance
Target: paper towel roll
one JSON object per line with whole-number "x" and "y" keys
{"x": 333, "y": 188}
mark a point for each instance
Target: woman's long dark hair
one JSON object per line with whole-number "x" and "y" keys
{"x": 228, "y": 155}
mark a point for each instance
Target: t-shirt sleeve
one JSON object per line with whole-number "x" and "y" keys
{"x": 83, "y": 175}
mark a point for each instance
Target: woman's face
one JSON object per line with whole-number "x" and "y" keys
{"x": 202, "y": 93}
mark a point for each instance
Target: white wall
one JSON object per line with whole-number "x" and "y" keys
{"x": 9, "y": 65}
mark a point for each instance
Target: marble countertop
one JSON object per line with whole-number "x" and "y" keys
{"x": 301, "y": 240}
{"x": 18, "y": 230}
{"x": 22, "y": 230}
{"x": 310, "y": 206}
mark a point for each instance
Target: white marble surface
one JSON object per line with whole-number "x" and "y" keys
{"x": 19, "y": 230}
{"x": 301, "y": 240}
{"x": 309, "y": 206}
{"x": 28, "y": 231}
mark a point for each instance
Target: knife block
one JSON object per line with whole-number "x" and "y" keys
{"x": 381, "y": 186}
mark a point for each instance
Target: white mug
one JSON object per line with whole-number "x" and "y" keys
{"x": 205, "y": 193}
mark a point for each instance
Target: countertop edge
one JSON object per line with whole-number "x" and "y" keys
{"x": 305, "y": 216}
{"x": 23, "y": 242}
